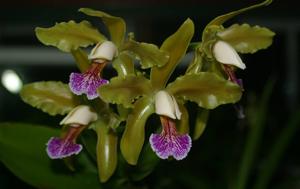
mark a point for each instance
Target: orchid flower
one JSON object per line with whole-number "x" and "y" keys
{"x": 88, "y": 82}
{"x": 169, "y": 142}
{"x": 76, "y": 121}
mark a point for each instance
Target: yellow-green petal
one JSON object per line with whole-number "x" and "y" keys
{"x": 116, "y": 25}
{"x": 51, "y": 97}
{"x": 134, "y": 135}
{"x": 148, "y": 54}
{"x": 125, "y": 90}
{"x": 208, "y": 90}
{"x": 68, "y": 36}
{"x": 176, "y": 46}
{"x": 247, "y": 39}
{"x": 223, "y": 18}
{"x": 106, "y": 150}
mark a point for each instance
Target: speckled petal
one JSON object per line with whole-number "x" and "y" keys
{"x": 86, "y": 83}
{"x": 177, "y": 146}
{"x": 75, "y": 84}
{"x": 58, "y": 148}
{"x": 91, "y": 87}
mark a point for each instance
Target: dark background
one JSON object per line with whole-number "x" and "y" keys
{"x": 153, "y": 21}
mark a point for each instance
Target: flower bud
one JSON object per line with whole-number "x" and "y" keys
{"x": 102, "y": 52}
{"x": 81, "y": 115}
{"x": 166, "y": 105}
{"x": 226, "y": 54}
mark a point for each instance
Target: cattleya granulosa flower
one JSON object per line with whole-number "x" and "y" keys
{"x": 169, "y": 142}
{"x": 88, "y": 82}
{"x": 228, "y": 57}
{"x": 76, "y": 121}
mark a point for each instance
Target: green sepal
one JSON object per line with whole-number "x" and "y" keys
{"x": 134, "y": 135}
{"x": 23, "y": 153}
{"x": 223, "y": 18}
{"x": 206, "y": 89}
{"x": 247, "y": 39}
{"x": 125, "y": 90}
{"x": 183, "y": 125}
{"x": 81, "y": 58}
{"x": 201, "y": 122}
{"x": 148, "y": 54}
{"x": 124, "y": 64}
{"x": 68, "y": 36}
{"x": 106, "y": 150}
{"x": 116, "y": 25}
{"x": 176, "y": 46}
{"x": 51, "y": 97}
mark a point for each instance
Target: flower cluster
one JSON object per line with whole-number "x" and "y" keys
{"x": 209, "y": 81}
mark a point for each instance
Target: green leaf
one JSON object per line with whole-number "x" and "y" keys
{"x": 68, "y": 36}
{"x": 107, "y": 145}
{"x": 124, "y": 64}
{"x": 134, "y": 135}
{"x": 201, "y": 121}
{"x": 115, "y": 25}
{"x": 51, "y": 97}
{"x": 206, "y": 89}
{"x": 223, "y": 18}
{"x": 247, "y": 39}
{"x": 148, "y": 54}
{"x": 176, "y": 46}
{"x": 125, "y": 90}
{"x": 81, "y": 58}
{"x": 23, "y": 152}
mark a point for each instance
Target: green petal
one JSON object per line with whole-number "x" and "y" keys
{"x": 206, "y": 89}
{"x": 223, "y": 18}
{"x": 23, "y": 152}
{"x": 247, "y": 39}
{"x": 176, "y": 46}
{"x": 124, "y": 64}
{"x": 81, "y": 59}
{"x": 134, "y": 135}
{"x": 116, "y": 25}
{"x": 68, "y": 36}
{"x": 50, "y": 96}
{"x": 148, "y": 54}
{"x": 201, "y": 121}
{"x": 106, "y": 151}
{"x": 124, "y": 91}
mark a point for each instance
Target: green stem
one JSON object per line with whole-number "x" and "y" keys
{"x": 254, "y": 138}
{"x": 277, "y": 152}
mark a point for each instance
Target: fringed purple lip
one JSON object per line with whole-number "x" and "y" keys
{"x": 58, "y": 148}
{"x": 88, "y": 82}
{"x": 170, "y": 143}
{"x": 176, "y": 146}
